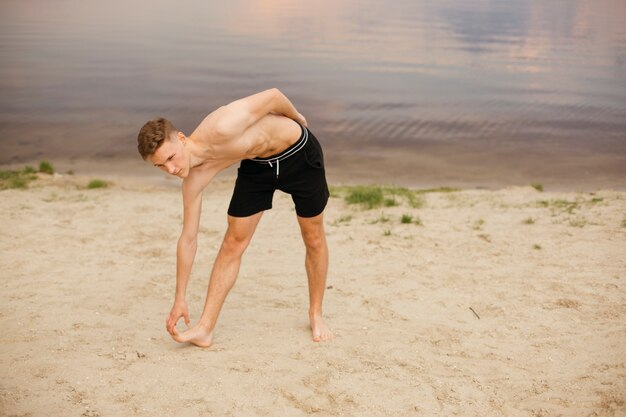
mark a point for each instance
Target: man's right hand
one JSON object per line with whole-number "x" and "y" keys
{"x": 179, "y": 309}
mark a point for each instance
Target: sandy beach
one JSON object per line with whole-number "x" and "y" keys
{"x": 503, "y": 302}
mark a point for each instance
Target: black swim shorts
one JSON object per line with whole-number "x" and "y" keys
{"x": 298, "y": 171}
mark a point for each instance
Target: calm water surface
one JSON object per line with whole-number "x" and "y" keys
{"x": 500, "y": 87}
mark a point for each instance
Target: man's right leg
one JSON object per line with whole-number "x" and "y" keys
{"x": 223, "y": 277}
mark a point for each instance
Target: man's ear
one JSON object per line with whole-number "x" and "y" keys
{"x": 182, "y": 137}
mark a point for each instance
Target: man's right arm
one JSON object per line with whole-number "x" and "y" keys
{"x": 187, "y": 243}
{"x": 185, "y": 252}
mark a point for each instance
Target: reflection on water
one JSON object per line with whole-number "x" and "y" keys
{"x": 77, "y": 78}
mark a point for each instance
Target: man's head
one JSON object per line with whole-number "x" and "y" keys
{"x": 163, "y": 145}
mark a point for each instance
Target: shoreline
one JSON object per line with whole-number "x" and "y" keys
{"x": 415, "y": 171}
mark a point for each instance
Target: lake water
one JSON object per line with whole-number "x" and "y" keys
{"x": 448, "y": 90}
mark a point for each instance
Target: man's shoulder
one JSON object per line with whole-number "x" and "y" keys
{"x": 211, "y": 128}
{"x": 209, "y": 122}
{"x": 198, "y": 179}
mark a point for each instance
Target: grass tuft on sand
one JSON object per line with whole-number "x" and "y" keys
{"x": 46, "y": 167}
{"x": 13, "y": 179}
{"x": 560, "y": 205}
{"x": 406, "y": 219}
{"x": 537, "y": 186}
{"x": 570, "y": 210}
{"x": 97, "y": 184}
{"x": 375, "y": 196}
{"x": 368, "y": 197}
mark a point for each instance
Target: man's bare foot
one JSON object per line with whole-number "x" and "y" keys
{"x": 199, "y": 335}
{"x": 321, "y": 332}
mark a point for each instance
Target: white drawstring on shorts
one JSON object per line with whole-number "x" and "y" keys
{"x": 277, "y": 166}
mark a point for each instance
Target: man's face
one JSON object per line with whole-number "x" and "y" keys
{"x": 172, "y": 157}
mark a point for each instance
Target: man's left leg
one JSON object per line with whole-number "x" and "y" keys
{"x": 316, "y": 264}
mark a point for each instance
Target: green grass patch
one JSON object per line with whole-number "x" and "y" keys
{"x": 387, "y": 232}
{"x": 367, "y": 196}
{"x": 566, "y": 206}
{"x": 97, "y": 184}
{"x": 4, "y": 175}
{"x": 412, "y": 198}
{"x": 374, "y": 196}
{"x": 406, "y": 219}
{"x": 571, "y": 207}
{"x": 561, "y": 205}
{"x": 390, "y": 202}
{"x": 537, "y": 247}
{"x": 18, "y": 182}
{"x": 529, "y": 220}
{"x": 46, "y": 167}
{"x": 537, "y": 186}
{"x": 17, "y": 179}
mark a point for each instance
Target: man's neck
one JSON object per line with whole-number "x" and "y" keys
{"x": 197, "y": 153}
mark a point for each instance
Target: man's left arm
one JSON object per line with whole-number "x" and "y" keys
{"x": 282, "y": 105}
{"x": 237, "y": 116}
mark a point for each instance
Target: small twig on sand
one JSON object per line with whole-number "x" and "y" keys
{"x": 475, "y": 313}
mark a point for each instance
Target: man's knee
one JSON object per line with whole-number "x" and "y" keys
{"x": 235, "y": 243}
{"x": 314, "y": 239}
{"x": 239, "y": 234}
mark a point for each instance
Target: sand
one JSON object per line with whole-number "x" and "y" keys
{"x": 475, "y": 312}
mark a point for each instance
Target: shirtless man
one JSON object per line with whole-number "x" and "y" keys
{"x": 277, "y": 151}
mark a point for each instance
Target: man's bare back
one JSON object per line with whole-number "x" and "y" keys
{"x": 267, "y": 136}
{"x": 260, "y": 126}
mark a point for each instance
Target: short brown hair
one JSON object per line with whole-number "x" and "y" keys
{"x": 152, "y": 135}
